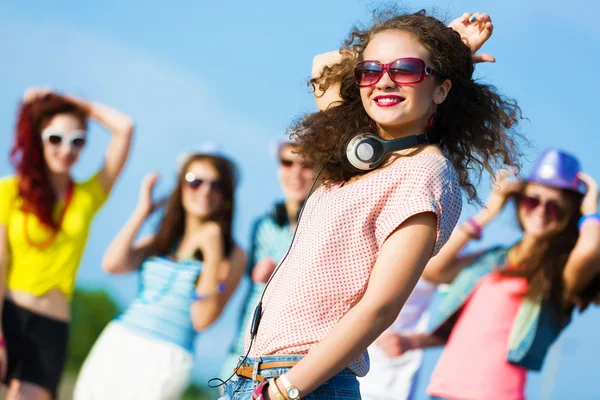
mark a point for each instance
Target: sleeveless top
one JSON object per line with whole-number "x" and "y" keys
{"x": 161, "y": 308}
{"x": 473, "y": 364}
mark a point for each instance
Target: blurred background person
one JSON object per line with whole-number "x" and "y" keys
{"x": 270, "y": 238}
{"x": 507, "y": 305}
{"x": 187, "y": 270}
{"x": 45, "y": 217}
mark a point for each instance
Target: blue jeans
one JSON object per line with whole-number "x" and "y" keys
{"x": 342, "y": 386}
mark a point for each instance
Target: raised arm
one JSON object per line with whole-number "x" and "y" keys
{"x": 393, "y": 278}
{"x": 325, "y": 99}
{"x": 583, "y": 264}
{"x": 474, "y": 29}
{"x": 217, "y": 271}
{"x": 121, "y": 127}
{"x": 447, "y": 264}
{"x": 124, "y": 254}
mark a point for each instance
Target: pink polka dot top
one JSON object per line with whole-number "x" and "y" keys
{"x": 337, "y": 242}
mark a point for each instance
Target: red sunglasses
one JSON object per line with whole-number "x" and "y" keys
{"x": 402, "y": 71}
{"x": 552, "y": 210}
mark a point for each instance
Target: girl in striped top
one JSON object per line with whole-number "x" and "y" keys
{"x": 188, "y": 271}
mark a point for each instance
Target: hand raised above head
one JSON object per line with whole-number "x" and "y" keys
{"x": 36, "y": 93}
{"x": 589, "y": 205}
{"x": 475, "y": 30}
{"x": 505, "y": 185}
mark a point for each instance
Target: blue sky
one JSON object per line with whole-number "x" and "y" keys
{"x": 235, "y": 71}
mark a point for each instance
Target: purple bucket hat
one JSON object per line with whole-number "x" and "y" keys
{"x": 557, "y": 169}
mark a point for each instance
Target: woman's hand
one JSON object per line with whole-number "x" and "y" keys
{"x": 589, "y": 205}
{"x": 330, "y": 97}
{"x": 262, "y": 270}
{"x": 475, "y": 30}
{"x": 505, "y": 185}
{"x": 218, "y": 272}
{"x": 209, "y": 239}
{"x": 393, "y": 344}
{"x": 38, "y": 93}
{"x": 146, "y": 205}
{"x": 35, "y": 93}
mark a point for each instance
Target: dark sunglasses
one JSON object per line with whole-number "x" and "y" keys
{"x": 285, "y": 163}
{"x": 552, "y": 210}
{"x": 76, "y": 139}
{"x": 402, "y": 71}
{"x": 194, "y": 183}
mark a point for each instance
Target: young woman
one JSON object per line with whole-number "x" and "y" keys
{"x": 364, "y": 238}
{"x": 507, "y": 305}
{"x": 191, "y": 265}
{"x": 45, "y": 218}
{"x": 271, "y": 236}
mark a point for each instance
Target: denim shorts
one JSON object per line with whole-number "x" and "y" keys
{"x": 344, "y": 385}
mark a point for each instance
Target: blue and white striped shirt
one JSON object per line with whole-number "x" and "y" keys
{"x": 269, "y": 239}
{"x": 161, "y": 308}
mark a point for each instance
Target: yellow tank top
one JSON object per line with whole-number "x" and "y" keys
{"x": 39, "y": 269}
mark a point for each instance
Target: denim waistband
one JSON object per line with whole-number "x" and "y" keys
{"x": 273, "y": 372}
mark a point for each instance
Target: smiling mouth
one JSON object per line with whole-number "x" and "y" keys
{"x": 539, "y": 223}
{"x": 388, "y": 101}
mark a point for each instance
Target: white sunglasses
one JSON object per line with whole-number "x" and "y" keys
{"x": 75, "y": 139}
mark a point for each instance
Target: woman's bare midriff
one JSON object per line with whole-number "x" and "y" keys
{"x": 53, "y": 304}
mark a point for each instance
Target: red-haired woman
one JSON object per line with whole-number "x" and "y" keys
{"x": 45, "y": 217}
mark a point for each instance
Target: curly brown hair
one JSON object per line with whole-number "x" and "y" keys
{"x": 476, "y": 124}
